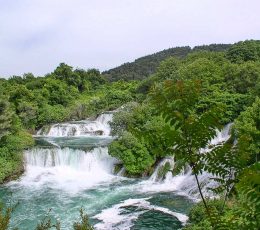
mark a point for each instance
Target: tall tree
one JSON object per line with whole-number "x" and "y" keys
{"x": 190, "y": 131}
{"x": 5, "y": 117}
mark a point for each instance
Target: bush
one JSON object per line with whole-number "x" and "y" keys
{"x": 198, "y": 212}
{"x": 133, "y": 154}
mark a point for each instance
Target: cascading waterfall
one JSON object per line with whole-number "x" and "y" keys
{"x": 185, "y": 182}
{"x": 222, "y": 135}
{"x": 156, "y": 174}
{"x": 65, "y": 176}
{"x": 98, "y": 127}
{"x": 67, "y": 168}
{"x": 78, "y": 159}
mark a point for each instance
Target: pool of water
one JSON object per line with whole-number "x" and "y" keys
{"x": 66, "y": 173}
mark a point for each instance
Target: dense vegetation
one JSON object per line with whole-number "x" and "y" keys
{"x": 13, "y": 139}
{"x": 28, "y": 103}
{"x": 184, "y": 96}
{"x": 143, "y": 67}
{"x": 187, "y": 100}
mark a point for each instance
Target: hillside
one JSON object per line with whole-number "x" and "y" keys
{"x": 145, "y": 66}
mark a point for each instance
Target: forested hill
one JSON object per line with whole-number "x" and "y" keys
{"x": 145, "y": 66}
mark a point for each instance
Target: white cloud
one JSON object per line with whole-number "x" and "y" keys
{"x": 36, "y": 35}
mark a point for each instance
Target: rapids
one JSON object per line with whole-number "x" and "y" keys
{"x": 70, "y": 168}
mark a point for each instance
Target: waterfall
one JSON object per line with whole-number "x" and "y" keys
{"x": 121, "y": 172}
{"x": 77, "y": 168}
{"x": 98, "y": 127}
{"x": 156, "y": 174}
{"x": 69, "y": 169}
{"x": 66, "y": 167}
{"x": 222, "y": 135}
{"x": 185, "y": 182}
{"x": 78, "y": 159}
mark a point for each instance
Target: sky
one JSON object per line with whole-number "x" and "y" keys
{"x": 37, "y": 35}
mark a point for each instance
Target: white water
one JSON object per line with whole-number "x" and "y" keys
{"x": 185, "y": 182}
{"x": 113, "y": 217}
{"x": 222, "y": 135}
{"x": 100, "y": 126}
{"x": 76, "y": 169}
{"x": 89, "y": 174}
{"x": 67, "y": 169}
{"x": 155, "y": 176}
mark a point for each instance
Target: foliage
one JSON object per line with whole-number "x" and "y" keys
{"x": 123, "y": 118}
{"x": 191, "y": 131}
{"x": 247, "y": 210}
{"x": 50, "y": 114}
{"x": 202, "y": 69}
{"x": 198, "y": 213}
{"x": 11, "y": 161}
{"x": 234, "y": 103}
{"x": 168, "y": 69}
{"x": 132, "y": 115}
{"x": 47, "y": 223}
{"x": 5, "y": 117}
{"x": 193, "y": 93}
{"x": 143, "y": 67}
{"x": 13, "y": 140}
{"x": 84, "y": 222}
{"x": 244, "y": 51}
{"x": 241, "y": 78}
{"x": 236, "y": 168}
{"x": 247, "y": 125}
{"x": 242, "y": 211}
{"x": 5, "y": 216}
{"x": 133, "y": 153}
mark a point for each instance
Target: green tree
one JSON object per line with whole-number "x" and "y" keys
{"x": 248, "y": 50}
{"x": 5, "y": 216}
{"x": 28, "y": 112}
{"x": 5, "y": 117}
{"x": 241, "y": 78}
{"x": 168, "y": 69}
{"x": 202, "y": 69}
{"x": 84, "y": 222}
{"x": 190, "y": 132}
{"x": 133, "y": 154}
{"x": 65, "y": 73}
{"x": 247, "y": 126}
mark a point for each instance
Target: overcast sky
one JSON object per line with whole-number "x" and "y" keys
{"x": 37, "y": 35}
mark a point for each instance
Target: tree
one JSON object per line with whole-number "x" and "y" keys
{"x": 66, "y": 74}
{"x": 207, "y": 71}
{"x": 59, "y": 92}
{"x": 247, "y": 125}
{"x": 168, "y": 69}
{"x": 84, "y": 222}
{"x": 28, "y": 113}
{"x": 5, "y": 216}
{"x": 241, "y": 78}
{"x": 133, "y": 153}
{"x": 5, "y": 117}
{"x": 248, "y": 50}
{"x": 190, "y": 132}
{"x": 233, "y": 164}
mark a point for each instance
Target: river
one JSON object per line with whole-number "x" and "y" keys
{"x": 70, "y": 168}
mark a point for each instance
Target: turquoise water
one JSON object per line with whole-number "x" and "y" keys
{"x": 35, "y": 203}
{"x": 64, "y": 174}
